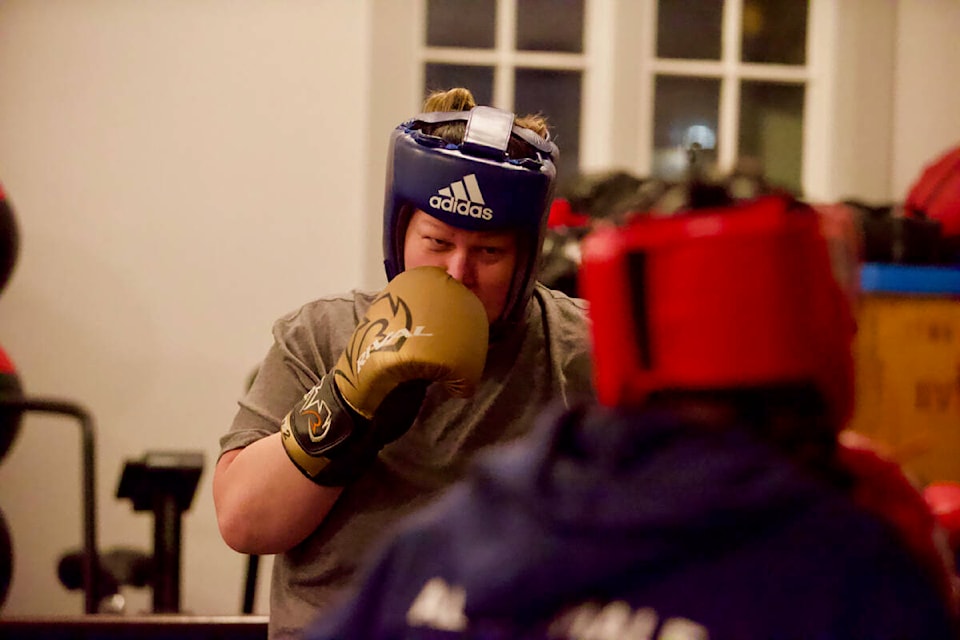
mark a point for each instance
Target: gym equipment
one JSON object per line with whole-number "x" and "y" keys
{"x": 9, "y": 240}
{"x": 6, "y": 559}
{"x": 935, "y": 194}
{"x": 13, "y": 404}
{"x": 141, "y": 627}
{"x": 10, "y": 387}
{"x": 160, "y": 482}
{"x": 163, "y": 482}
{"x": 118, "y": 567}
{"x": 889, "y": 236}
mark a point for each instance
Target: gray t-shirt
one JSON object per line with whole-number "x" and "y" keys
{"x": 547, "y": 359}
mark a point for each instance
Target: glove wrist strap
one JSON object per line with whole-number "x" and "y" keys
{"x": 324, "y": 437}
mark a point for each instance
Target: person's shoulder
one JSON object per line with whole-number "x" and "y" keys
{"x": 332, "y": 304}
{"x": 566, "y": 319}
{"x": 871, "y": 556}
{"x": 563, "y": 303}
{"x": 566, "y": 328}
{"x": 329, "y": 311}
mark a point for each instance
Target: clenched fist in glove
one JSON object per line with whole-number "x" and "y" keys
{"x": 424, "y": 327}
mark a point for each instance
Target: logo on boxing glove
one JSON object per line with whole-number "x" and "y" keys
{"x": 382, "y": 334}
{"x": 386, "y": 340}
{"x": 317, "y": 413}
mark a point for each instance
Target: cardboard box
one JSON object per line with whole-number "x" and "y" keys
{"x": 907, "y": 353}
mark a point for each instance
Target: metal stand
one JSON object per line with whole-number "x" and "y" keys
{"x": 250, "y": 584}
{"x": 91, "y": 559}
{"x": 163, "y": 482}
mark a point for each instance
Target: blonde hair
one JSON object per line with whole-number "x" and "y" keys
{"x": 456, "y": 99}
{"x": 461, "y": 99}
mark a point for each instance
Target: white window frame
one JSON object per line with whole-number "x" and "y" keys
{"x": 602, "y": 121}
{"x": 594, "y": 64}
{"x": 815, "y": 76}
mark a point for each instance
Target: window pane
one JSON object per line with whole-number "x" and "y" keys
{"x": 556, "y": 95}
{"x": 775, "y": 31}
{"x": 689, "y": 29}
{"x": 550, "y": 25}
{"x": 685, "y": 112}
{"x": 461, "y": 23}
{"x": 440, "y": 77}
{"x": 771, "y": 131}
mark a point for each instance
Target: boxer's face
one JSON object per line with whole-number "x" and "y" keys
{"x": 482, "y": 260}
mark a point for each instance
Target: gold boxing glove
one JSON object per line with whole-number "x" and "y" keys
{"x": 424, "y": 327}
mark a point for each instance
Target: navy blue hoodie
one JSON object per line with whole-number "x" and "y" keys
{"x": 599, "y": 526}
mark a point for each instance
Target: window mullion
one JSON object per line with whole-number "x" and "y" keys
{"x": 693, "y": 68}
{"x": 420, "y": 19}
{"x": 818, "y": 122}
{"x": 504, "y": 78}
{"x": 492, "y": 57}
{"x": 728, "y": 118}
{"x": 645, "y": 92}
{"x": 596, "y": 121}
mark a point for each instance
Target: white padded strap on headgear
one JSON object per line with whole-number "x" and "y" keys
{"x": 488, "y": 131}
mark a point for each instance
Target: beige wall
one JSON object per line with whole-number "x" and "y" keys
{"x": 862, "y": 136}
{"x": 926, "y": 98}
{"x": 183, "y": 173}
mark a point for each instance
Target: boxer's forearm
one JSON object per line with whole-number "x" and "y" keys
{"x": 264, "y": 503}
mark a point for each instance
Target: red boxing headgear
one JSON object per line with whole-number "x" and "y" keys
{"x": 718, "y": 299}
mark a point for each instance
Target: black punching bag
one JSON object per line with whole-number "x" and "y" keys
{"x": 9, "y": 240}
{"x": 9, "y": 383}
{"x": 9, "y": 388}
{"x": 9, "y": 426}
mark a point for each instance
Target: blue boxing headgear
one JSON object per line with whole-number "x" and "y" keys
{"x": 472, "y": 185}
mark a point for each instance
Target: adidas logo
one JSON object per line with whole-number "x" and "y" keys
{"x": 463, "y": 197}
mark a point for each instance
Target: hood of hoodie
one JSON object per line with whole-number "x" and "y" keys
{"x": 591, "y": 495}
